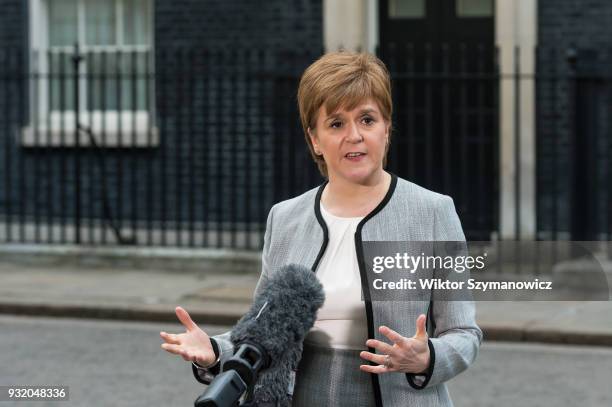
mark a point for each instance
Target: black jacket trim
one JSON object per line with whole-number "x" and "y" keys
{"x": 432, "y": 361}
{"x": 208, "y": 373}
{"x": 321, "y": 221}
{"x": 361, "y": 262}
{"x": 364, "y": 281}
{"x": 215, "y": 347}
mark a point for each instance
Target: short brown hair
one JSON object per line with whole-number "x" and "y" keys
{"x": 342, "y": 79}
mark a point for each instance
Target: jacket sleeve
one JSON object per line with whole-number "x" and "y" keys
{"x": 222, "y": 345}
{"x": 456, "y": 338}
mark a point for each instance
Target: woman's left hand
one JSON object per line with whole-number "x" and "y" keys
{"x": 407, "y": 355}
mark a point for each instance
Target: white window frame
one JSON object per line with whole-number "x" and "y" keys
{"x": 135, "y": 128}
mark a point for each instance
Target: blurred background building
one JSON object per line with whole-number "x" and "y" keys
{"x": 175, "y": 123}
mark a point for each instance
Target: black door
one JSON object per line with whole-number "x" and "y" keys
{"x": 437, "y": 21}
{"x": 442, "y": 61}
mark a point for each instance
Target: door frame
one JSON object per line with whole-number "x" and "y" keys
{"x": 516, "y": 25}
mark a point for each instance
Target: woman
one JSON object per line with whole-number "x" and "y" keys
{"x": 345, "y": 108}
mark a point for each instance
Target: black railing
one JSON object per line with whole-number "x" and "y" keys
{"x": 191, "y": 147}
{"x": 181, "y": 147}
{"x": 446, "y": 102}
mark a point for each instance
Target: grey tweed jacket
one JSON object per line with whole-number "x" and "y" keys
{"x": 297, "y": 233}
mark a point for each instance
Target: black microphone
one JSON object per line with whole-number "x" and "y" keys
{"x": 268, "y": 338}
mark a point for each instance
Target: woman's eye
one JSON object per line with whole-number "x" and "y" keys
{"x": 335, "y": 125}
{"x": 368, "y": 120}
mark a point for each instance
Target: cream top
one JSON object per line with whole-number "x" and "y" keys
{"x": 341, "y": 321}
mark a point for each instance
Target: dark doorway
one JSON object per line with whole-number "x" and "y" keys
{"x": 441, "y": 56}
{"x": 591, "y": 147}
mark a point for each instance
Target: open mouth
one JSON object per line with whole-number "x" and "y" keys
{"x": 354, "y": 155}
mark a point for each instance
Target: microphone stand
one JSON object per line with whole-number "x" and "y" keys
{"x": 238, "y": 377}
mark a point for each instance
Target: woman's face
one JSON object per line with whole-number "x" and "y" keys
{"x": 352, "y": 142}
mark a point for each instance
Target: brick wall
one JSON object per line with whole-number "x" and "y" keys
{"x": 582, "y": 26}
{"x": 13, "y": 31}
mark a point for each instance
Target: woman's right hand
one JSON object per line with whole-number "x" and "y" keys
{"x": 193, "y": 345}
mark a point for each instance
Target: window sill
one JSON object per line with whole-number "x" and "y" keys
{"x": 41, "y": 137}
{"x": 111, "y": 129}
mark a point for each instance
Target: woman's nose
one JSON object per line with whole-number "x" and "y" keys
{"x": 354, "y": 134}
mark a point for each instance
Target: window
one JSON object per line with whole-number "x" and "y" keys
{"x": 406, "y": 8}
{"x": 475, "y": 8}
{"x": 116, "y": 93}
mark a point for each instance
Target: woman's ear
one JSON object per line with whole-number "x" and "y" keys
{"x": 313, "y": 139}
{"x": 388, "y": 132}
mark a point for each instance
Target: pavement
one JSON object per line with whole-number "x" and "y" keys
{"x": 124, "y": 291}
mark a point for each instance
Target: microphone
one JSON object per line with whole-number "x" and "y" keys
{"x": 268, "y": 338}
